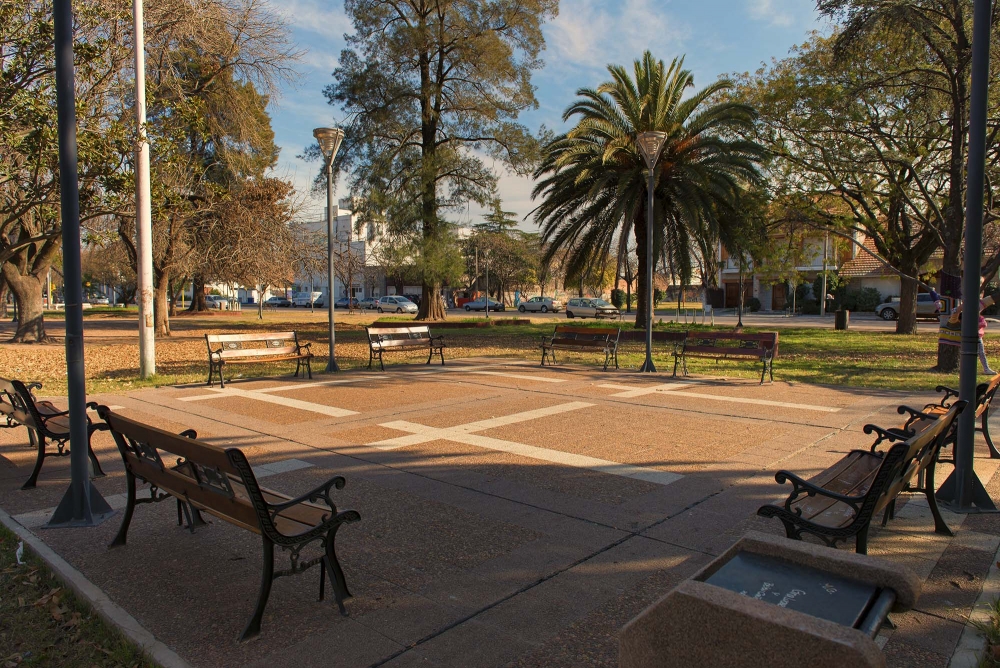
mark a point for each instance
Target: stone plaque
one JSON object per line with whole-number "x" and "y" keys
{"x": 796, "y": 587}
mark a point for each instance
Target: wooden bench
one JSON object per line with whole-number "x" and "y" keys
{"x": 582, "y": 339}
{"x": 256, "y": 348}
{"x": 839, "y": 503}
{"x": 984, "y": 398}
{"x": 729, "y": 345}
{"x": 45, "y": 423}
{"x": 412, "y": 337}
{"x": 202, "y": 477}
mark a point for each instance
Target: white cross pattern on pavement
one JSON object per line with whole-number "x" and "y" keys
{"x": 262, "y": 395}
{"x": 465, "y": 434}
{"x": 630, "y": 392}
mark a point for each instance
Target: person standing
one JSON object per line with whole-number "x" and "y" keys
{"x": 951, "y": 332}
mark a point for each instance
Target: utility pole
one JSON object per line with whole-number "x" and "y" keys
{"x": 143, "y": 209}
{"x": 82, "y": 505}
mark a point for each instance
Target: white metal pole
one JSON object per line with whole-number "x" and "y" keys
{"x": 822, "y": 297}
{"x": 143, "y": 211}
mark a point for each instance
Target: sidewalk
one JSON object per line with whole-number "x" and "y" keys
{"x": 511, "y": 515}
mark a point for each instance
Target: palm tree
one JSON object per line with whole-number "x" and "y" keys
{"x": 592, "y": 180}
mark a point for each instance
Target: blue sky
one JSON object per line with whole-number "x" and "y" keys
{"x": 715, "y": 36}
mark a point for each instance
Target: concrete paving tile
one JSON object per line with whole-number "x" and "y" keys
{"x": 954, "y": 585}
{"x": 902, "y": 655}
{"x": 927, "y": 632}
{"x": 351, "y": 644}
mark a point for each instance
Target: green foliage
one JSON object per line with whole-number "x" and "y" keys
{"x": 417, "y": 132}
{"x": 439, "y": 257}
{"x": 865, "y": 299}
{"x": 658, "y": 296}
{"x": 753, "y": 305}
{"x": 834, "y": 284}
{"x": 593, "y": 179}
{"x": 618, "y": 298}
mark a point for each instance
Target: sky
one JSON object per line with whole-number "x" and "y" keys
{"x": 716, "y": 37}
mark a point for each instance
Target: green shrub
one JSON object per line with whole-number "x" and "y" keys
{"x": 658, "y": 296}
{"x": 753, "y": 304}
{"x": 618, "y": 298}
{"x": 810, "y": 307}
{"x": 868, "y": 299}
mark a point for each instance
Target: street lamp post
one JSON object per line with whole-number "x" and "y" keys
{"x": 650, "y": 145}
{"x": 329, "y": 141}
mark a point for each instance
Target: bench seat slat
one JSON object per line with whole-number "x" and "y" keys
{"x": 258, "y": 352}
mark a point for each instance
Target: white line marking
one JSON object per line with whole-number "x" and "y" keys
{"x": 464, "y": 434}
{"x": 303, "y": 386}
{"x": 540, "y": 379}
{"x": 332, "y": 411}
{"x": 669, "y": 388}
{"x": 630, "y": 392}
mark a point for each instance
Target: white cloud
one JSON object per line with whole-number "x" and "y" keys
{"x": 326, "y": 19}
{"x": 767, "y": 10}
{"x": 593, "y": 33}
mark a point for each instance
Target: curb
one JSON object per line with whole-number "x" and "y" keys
{"x": 972, "y": 644}
{"x": 108, "y": 610}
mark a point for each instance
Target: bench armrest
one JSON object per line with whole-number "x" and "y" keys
{"x": 892, "y": 434}
{"x": 948, "y": 394}
{"x": 801, "y": 486}
{"x": 914, "y": 416}
{"x": 321, "y": 493}
{"x": 306, "y": 345}
{"x": 32, "y": 386}
{"x": 189, "y": 433}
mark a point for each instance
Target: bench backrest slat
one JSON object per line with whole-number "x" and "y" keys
{"x": 585, "y": 336}
{"x": 257, "y": 352}
{"x": 399, "y": 336}
{"x": 219, "y": 481}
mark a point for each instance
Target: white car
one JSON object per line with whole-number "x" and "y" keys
{"x": 216, "y": 301}
{"x": 396, "y": 304}
{"x": 926, "y": 308}
{"x": 306, "y": 298}
{"x": 542, "y": 304}
{"x": 590, "y": 307}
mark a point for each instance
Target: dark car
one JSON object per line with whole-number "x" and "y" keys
{"x": 283, "y": 302}
{"x": 343, "y": 303}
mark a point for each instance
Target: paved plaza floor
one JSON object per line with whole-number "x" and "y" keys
{"x": 511, "y": 515}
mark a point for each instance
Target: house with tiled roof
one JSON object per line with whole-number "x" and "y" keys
{"x": 866, "y": 269}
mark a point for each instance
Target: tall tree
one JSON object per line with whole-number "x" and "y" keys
{"x": 430, "y": 85}
{"x": 938, "y": 38}
{"x": 593, "y": 178}
{"x": 859, "y": 159}
{"x": 30, "y": 226}
{"x": 210, "y": 67}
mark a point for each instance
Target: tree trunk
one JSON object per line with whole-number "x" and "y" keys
{"x": 160, "y": 308}
{"x": 172, "y": 307}
{"x": 260, "y": 301}
{"x": 906, "y": 322}
{"x": 198, "y": 294}
{"x": 3, "y": 297}
{"x": 639, "y": 230}
{"x": 27, "y": 291}
{"x": 431, "y": 305}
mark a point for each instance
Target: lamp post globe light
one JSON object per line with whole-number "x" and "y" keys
{"x": 650, "y": 145}
{"x": 329, "y": 141}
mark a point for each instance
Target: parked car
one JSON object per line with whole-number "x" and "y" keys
{"x": 98, "y": 301}
{"x": 396, "y": 304}
{"x": 343, "y": 303}
{"x": 414, "y": 298}
{"x": 926, "y": 308}
{"x": 590, "y": 307}
{"x": 275, "y": 302}
{"x": 216, "y": 301}
{"x": 307, "y": 299}
{"x": 543, "y": 304}
{"x": 480, "y": 305}
{"x": 368, "y": 303}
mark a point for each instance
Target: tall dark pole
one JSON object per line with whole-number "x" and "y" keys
{"x": 331, "y": 365}
{"x": 647, "y": 366}
{"x": 82, "y": 505}
{"x": 487, "y": 284}
{"x": 963, "y": 491}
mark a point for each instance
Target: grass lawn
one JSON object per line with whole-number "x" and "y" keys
{"x": 44, "y": 624}
{"x": 853, "y": 358}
